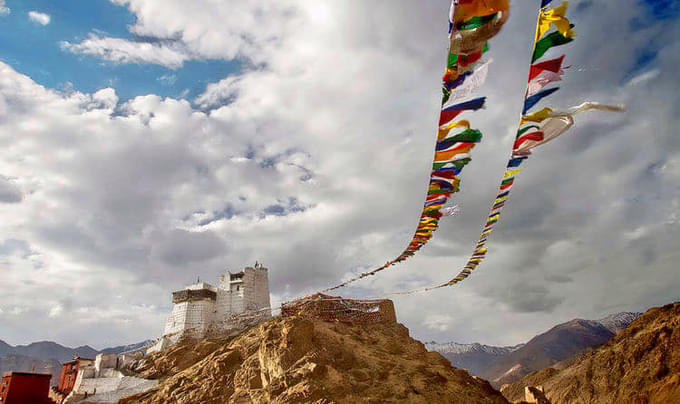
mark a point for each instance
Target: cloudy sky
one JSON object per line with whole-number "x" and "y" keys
{"x": 144, "y": 143}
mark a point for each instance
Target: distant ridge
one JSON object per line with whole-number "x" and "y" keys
{"x": 46, "y": 350}
{"x": 475, "y": 358}
{"x": 50, "y": 350}
{"x": 506, "y": 364}
{"x": 47, "y": 356}
{"x": 127, "y": 348}
{"x": 456, "y": 348}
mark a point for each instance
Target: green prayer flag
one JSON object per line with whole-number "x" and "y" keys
{"x": 459, "y": 164}
{"x": 445, "y": 95}
{"x": 526, "y": 128}
{"x": 453, "y": 58}
{"x": 439, "y": 191}
{"x": 475, "y": 22}
{"x": 547, "y": 42}
{"x": 468, "y": 135}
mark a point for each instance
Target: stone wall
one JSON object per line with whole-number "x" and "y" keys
{"x": 335, "y": 308}
{"x": 189, "y": 294}
{"x": 105, "y": 361}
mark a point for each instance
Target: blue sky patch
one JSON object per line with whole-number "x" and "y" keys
{"x": 662, "y": 9}
{"x": 35, "y": 50}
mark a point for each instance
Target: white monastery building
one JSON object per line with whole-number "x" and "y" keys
{"x": 202, "y": 307}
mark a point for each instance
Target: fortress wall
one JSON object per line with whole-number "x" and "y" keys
{"x": 223, "y": 304}
{"x": 237, "y": 302}
{"x": 176, "y": 319}
{"x": 248, "y": 288}
{"x": 196, "y": 314}
{"x": 256, "y": 288}
{"x": 261, "y": 295}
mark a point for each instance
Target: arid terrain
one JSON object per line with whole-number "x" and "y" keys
{"x": 639, "y": 365}
{"x": 305, "y": 360}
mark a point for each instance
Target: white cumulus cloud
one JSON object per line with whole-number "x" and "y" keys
{"x": 4, "y": 10}
{"x": 171, "y": 55}
{"x": 39, "y": 18}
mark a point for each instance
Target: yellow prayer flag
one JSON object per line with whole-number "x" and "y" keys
{"x": 447, "y": 155}
{"x": 557, "y": 18}
{"x": 510, "y": 173}
{"x": 538, "y": 116}
{"x": 444, "y": 130}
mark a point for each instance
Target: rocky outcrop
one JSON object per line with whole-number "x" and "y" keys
{"x": 640, "y": 365}
{"x": 312, "y": 361}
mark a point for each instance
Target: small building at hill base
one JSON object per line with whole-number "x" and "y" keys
{"x": 25, "y": 388}
{"x": 99, "y": 380}
{"x": 69, "y": 373}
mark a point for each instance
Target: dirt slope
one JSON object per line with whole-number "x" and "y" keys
{"x": 311, "y": 361}
{"x": 639, "y": 365}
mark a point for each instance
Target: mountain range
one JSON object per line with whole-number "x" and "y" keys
{"x": 47, "y": 356}
{"x": 475, "y": 358}
{"x": 501, "y": 365}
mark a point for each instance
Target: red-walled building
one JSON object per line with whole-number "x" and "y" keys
{"x": 25, "y": 388}
{"x": 69, "y": 372}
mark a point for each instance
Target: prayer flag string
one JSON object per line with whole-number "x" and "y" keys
{"x": 529, "y": 135}
{"x": 471, "y": 24}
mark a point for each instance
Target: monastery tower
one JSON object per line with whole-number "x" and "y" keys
{"x": 202, "y": 307}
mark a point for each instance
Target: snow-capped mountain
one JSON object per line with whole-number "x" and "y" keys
{"x": 456, "y": 348}
{"x": 618, "y": 321}
{"x": 129, "y": 347}
{"x": 559, "y": 343}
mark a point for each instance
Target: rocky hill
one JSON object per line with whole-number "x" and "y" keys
{"x": 311, "y": 361}
{"x": 639, "y": 365}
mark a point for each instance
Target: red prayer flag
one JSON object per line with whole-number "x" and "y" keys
{"x": 553, "y": 65}
{"x": 447, "y": 116}
{"x": 508, "y": 185}
{"x": 537, "y": 136}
